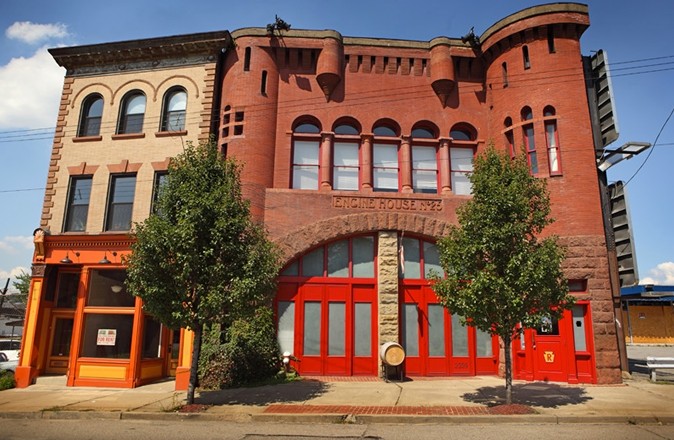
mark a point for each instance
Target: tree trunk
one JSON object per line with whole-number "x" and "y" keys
{"x": 194, "y": 368}
{"x": 507, "y": 346}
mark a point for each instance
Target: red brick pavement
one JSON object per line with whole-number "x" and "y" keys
{"x": 385, "y": 410}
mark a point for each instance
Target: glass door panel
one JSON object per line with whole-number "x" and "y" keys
{"x": 61, "y": 336}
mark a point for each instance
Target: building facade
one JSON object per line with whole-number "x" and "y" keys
{"x": 355, "y": 156}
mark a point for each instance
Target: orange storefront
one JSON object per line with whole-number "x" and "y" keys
{"x": 81, "y": 322}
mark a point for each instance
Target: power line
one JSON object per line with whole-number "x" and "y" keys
{"x": 368, "y": 97}
{"x": 652, "y": 148}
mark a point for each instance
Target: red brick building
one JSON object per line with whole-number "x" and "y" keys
{"x": 355, "y": 147}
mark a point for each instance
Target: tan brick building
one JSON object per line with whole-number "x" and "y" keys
{"x": 353, "y": 148}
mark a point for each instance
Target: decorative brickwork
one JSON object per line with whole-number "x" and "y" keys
{"x": 298, "y": 241}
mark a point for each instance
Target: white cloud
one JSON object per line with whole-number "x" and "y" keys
{"x": 14, "y": 241}
{"x": 34, "y": 32}
{"x": 31, "y": 91}
{"x": 662, "y": 274}
{"x": 12, "y": 273}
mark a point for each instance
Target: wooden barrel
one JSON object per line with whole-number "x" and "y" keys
{"x": 392, "y": 353}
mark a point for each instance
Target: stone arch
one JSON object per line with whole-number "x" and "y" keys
{"x": 297, "y": 242}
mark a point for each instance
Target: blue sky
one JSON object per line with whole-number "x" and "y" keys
{"x": 637, "y": 36}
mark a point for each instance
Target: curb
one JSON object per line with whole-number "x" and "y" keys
{"x": 343, "y": 418}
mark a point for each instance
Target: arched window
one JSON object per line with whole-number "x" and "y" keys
{"x": 90, "y": 119}
{"x": 509, "y": 137}
{"x": 384, "y": 130}
{"x": 525, "y": 57}
{"x": 385, "y": 156}
{"x": 132, "y": 113}
{"x": 423, "y": 133}
{"x": 461, "y": 134}
{"x": 307, "y": 128}
{"x": 173, "y": 113}
{"x": 552, "y": 141}
{"x": 424, "y": 160}
{"x": 306, "y": 159}
{"x": 346, "y": 157}
{"x": 529, "y": 140}
{"x": 346, "y": 129}
{"x": 461, "y": 154}
{"x": 349, "y": 258}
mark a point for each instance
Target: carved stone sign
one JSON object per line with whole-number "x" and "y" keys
{"x": 387, "y": 203}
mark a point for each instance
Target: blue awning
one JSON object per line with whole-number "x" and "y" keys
{"x": 648, "y": 292}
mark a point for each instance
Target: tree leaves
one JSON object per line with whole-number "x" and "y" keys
{"x": 501, "y": 275}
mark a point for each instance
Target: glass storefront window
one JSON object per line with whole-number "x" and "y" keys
{"x": 151, "y": 338}
{"x": 107, "y": 336}
{"x": 459, "y": 337}
{"x": 411, "y": 329}
{"x": 62, "y": 337}
{"x": 363, "y": 329}
{"x": 412, "y": 258}
{"x": 432, "y": 260}
{"x": 106, "y": 289}
{"x": 312, "y": 263}
{"x": 67, "y": 290}
{"x": 312, "y": 328}
{"x": 484, "y": 343}
{"x": 338, "y": 259}
{"x": 363, "y": 257}
{"x": 286, "y": 326}
{"x": 336, "y": 328}
{"x": 436, "y": 330}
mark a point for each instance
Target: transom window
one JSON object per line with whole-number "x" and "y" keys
{"x": 461, "y": 134}
{"x": 348, "y": 258}
{"x": 421, "y": 259}
{"x": 347, "y": 129}
{"x": 384, "y": 130}
{"x": 92, "y": 111}
{"x": 307, "y": 128}
{"x": 423, "y": 133}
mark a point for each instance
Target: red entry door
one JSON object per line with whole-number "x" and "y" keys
{"x": 334, "y": 330}
{"x": 549, "y": 353}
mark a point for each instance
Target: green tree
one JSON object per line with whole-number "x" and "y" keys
{"x": 22, "y": 284}
{"x": 501, "y": 276}
{"x": 200, "y": 259}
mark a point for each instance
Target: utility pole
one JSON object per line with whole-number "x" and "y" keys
{"x": 3, "y": 292}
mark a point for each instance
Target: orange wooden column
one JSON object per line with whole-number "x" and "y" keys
{"x": 27, "y": 370}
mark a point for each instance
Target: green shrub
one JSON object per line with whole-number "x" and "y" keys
{"x": 6, "y": 380}
{"x": 249, "y": 353}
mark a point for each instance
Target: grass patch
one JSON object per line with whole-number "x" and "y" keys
{"x": 7, "y": 380}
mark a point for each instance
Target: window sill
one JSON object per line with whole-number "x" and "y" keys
{"x": 116, "y": 137}
{"x": 161, "y": 134}
{"x": 87, "y": 138}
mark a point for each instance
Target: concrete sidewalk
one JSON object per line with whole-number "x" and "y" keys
{"x": 454, "y": 400}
